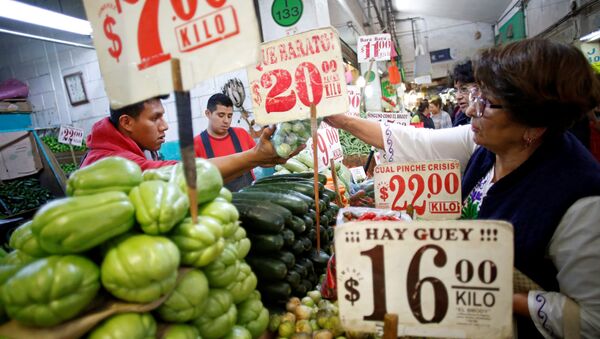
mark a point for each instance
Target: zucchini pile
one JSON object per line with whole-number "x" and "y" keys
{"x": 278, "y": 213}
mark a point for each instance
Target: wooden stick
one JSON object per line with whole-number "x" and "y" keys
{"x": 338, "y": 198}
{"x": 73, "y": 155}
{"x": 390, "y": 326}
{"x": 186, "y": 136}
{"x": 313, "y": 127}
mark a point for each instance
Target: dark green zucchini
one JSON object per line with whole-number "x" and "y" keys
{"x": 266, "y": 188}
{"x": 306, "y": 244}
{"x": 287, "y": 257}
{"x": 288, "y": 237}
{"x": 265, "y": 243}
{"x": 297, "y": 248}
{"x": 305, "y": 188}
{"x": 306, "y": 263}
{"x": 296, "y": 205}
{"x": 277, "y": 292}
{"x": 319, "y": 259}
{"x": 300, "y": 291}
{"x": 259, "y": 218}
{"x": 275, "y": 208}
{"x": 267, "y": 268}
{"x": 329, "y": 193}
{"x": 296, "y": 225}
{"x": 293, "y": 278}
{"x": 308, "y": 222}
{"x": 335, "y": 208}
{"x": 283, "y": 177}
{"x": 302, "y": 270}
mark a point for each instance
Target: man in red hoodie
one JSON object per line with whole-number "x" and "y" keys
{"x": 133, "y": 129}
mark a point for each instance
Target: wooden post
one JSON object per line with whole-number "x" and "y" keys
{"x": 338, "y": 198}
{"x": 186, "y": 136}
{"x": 73, "y": 155}
{"x": 313, "y": 127}
{"x": 390, "y": 326}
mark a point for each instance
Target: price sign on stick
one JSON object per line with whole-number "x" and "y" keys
{"x": 135, "y": 41}
{"x": 70, "y": 135}
{"x": 400, "y": 118}
{"x": 353, "y": 100}
{"x": 377, "y": 47}
{"x": 296, "y": 71}
{"x": 442, "y": 278}
{"x": 432, "y": 187}
{"x": 328, "y": 145}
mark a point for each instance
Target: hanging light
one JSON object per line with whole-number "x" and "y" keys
{"x": 19, "y": 11}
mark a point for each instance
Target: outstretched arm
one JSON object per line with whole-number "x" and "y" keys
{"x": 263, "y": 154}
{"x": 366, "y": 130}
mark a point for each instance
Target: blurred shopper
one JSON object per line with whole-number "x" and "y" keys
{"x": 422, "y": 115}
{"x": 464, "y": 83}
{"x": 441, "y": 119}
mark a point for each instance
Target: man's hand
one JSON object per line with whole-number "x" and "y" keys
{"x": 265, "y": 154}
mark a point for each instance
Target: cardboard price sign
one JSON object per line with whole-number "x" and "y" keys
{"x": 400, "y": 118}
{"x": 135, "y": 41}
{"x": 433, "y": 188}
{"x": 328, "y": 145}
{"x": 70, "y": 135}
{"x": 353, "y": 100}
{"x": 376, "y": 47}
{"x": 295, "y": 72}
{"x": 442, "y": 278}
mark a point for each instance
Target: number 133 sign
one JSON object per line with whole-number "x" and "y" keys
{"x": 431, "y": 187}
{"x": 295, "y": 72}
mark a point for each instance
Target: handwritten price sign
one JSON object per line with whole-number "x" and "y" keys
{"x": 296, "y": 71}
{"x": 401, "y": 118}
{"x": 442, "y": 278}
{"x": 376, "y": 47}
{"x": 328, "y": 145}
{"x": 135, "y": 40}
{"x": 70, "y": 135}
{"x": 353, "y": 100}
{"x": 431, "y": 187}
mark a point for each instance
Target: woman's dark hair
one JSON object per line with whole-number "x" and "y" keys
{"x": 541, "y": 83}
{"x": 463, "y": 72}
{"x": 437, "y": 101}
{"x": 423, "y": 106}
{"x": 132, "y": 110}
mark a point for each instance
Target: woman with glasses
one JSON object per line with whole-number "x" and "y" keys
{"x": 520, "y": 165}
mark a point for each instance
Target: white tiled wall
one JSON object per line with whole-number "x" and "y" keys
{"x": 42, "y": 65}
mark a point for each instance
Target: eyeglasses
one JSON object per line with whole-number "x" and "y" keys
{"x": 467, "y": 89}
{"x": 481, "y": 104}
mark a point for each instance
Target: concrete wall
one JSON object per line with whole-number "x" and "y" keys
{"x": 439, "y": 33}
{"x": 552, "y": 19}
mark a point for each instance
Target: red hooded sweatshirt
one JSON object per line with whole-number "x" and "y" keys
{"x": 106, "y": 141}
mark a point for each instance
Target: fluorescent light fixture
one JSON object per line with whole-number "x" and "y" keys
{"x": 590, "y": 37}
{"x": 38, "y": 16}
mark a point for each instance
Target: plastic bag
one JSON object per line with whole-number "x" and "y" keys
{"x": 290, "y": 135}
{"x": 13, "y": 88}
{"x": 349, "y": 214}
